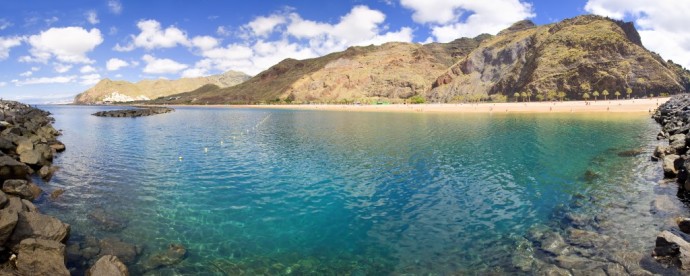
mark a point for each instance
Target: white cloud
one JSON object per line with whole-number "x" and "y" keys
{"x": 4, "y": 24}
{"x": 194, "y": 72}
{"x": 152, "y": 36}
{"x": 7, "y": 43}
{"x": 486, "y": 16}
{"x": 92, "y": 17}
{"x": 263, "y": 26}
{"x": 204, "y": 42}
{"x": 26, "y": 74}
{"x": 87, "y": 69}
{"x": 90, "y": 79}
{"x": 298, "y": 38}
{"x": 115, "y": 64}
{"x": 62, "y": 68}
{"x": 223, "y": 31}
{"x": 115, "y": 6}
{"x": 68, "y": 45}
{"x": 45, "y": 80}
{"x": 2, "y": 83}
{"x": 51, "y": 20}
{"x": 663, "y": 25}
{"x": 162, "y": 66}
{"x": 35, "y": 68}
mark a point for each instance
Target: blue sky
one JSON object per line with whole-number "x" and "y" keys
{"x": 52, "y": 50}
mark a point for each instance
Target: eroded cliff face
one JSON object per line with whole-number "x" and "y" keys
{"x": 123, "y": 91}
{"x": 575, "y": 56}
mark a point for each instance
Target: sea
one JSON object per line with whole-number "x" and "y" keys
{"x": 299, "y": 192}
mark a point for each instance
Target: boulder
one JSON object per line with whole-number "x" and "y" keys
{"x": 6, "y": 145}
{"x": 24, "y": 145}
{"x": 46, "y": 172}
{"x": 35, "y": 190}
{"x": 124, "y": 251}
{"x": 671, "y": 248}
{"x": 108, "y": 265}
{"x": 41, "y": 257}
{"x": 12, "y": 169}
{"x": 3, "y": 199}
{"x": 669, "y": 165}
{"x": 684, "y": 225}
{"x": 661, "y": 150}
{"x": 8, "y": 220}
{"x": 41, "y": 155}
{"x": 17, "y": 187}
{"x": 175, "y": 254}
{"x": 35, "y": 225}
{"x": 28, "y": 206}
{"x": 15, "y": 204}
{"x": 57, "y": 146}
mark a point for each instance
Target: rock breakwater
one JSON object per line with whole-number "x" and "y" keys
{"x": 31, "y": 243}
{"x": 138, "y": 112}
{"x": 672, "y": 247}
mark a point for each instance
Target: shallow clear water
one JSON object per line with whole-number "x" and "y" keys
{"x": 280, "y": 192}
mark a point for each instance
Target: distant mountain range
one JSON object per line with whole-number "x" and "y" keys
{"x": 107, "y": 90}
{"x": 575, "y": 56}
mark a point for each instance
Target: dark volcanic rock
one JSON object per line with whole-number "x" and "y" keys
{"x": 12, "y": 169}
{"x": 139, "y": 112}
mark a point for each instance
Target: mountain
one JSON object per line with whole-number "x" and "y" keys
{"x": 392, "y": 70}
{"x": 123, "y": 91}
{"x": 576, "y": 56}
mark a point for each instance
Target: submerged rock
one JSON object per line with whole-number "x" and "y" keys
{"x": 553, "y": 243}
{"x": 175, "y": 254}
{"x": 41, "y": 257}
{"x": 124, "y": 251}
{"x": 105, "y": 221}
{"x": 108, "y": 265}
{"x": 630, "y": 153}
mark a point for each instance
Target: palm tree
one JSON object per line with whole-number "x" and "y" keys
{"x": 605, "y": 93}
{"x": 628, "y": 91}
{"x": 561, "y": 95}
{"x": 617, "y": 94}
{"x": 516, "y": 95}
{"x": 540, "y": 97}
{"x": 585, "y": 96}
{"x": 523, "y": 95}
{"x": 595, "y": 94}
{"x": 529, "y": 96}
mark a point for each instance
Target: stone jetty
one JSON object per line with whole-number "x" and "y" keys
{"x": 672, "y": 246}
{"x": 136, "y": 112}
{"x": 32, "y": 243}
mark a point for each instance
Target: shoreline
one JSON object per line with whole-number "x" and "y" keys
{"x": 644, "y": 106}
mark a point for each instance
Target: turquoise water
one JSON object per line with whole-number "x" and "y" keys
{"x": 307, "y": 192}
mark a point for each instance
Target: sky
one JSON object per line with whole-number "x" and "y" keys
{"x": 52, "y": 50}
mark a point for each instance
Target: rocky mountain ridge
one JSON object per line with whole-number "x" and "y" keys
{"x": 112, "y": 91}
{"x": 574, "y": 57}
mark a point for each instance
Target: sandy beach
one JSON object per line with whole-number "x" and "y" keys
{"x": 615, "y": 106}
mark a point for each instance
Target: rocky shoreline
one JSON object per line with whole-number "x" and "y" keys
{"x": 672, "y": 247}
{"x": 33, "y": 243}
{"x": 131, "y": 113}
